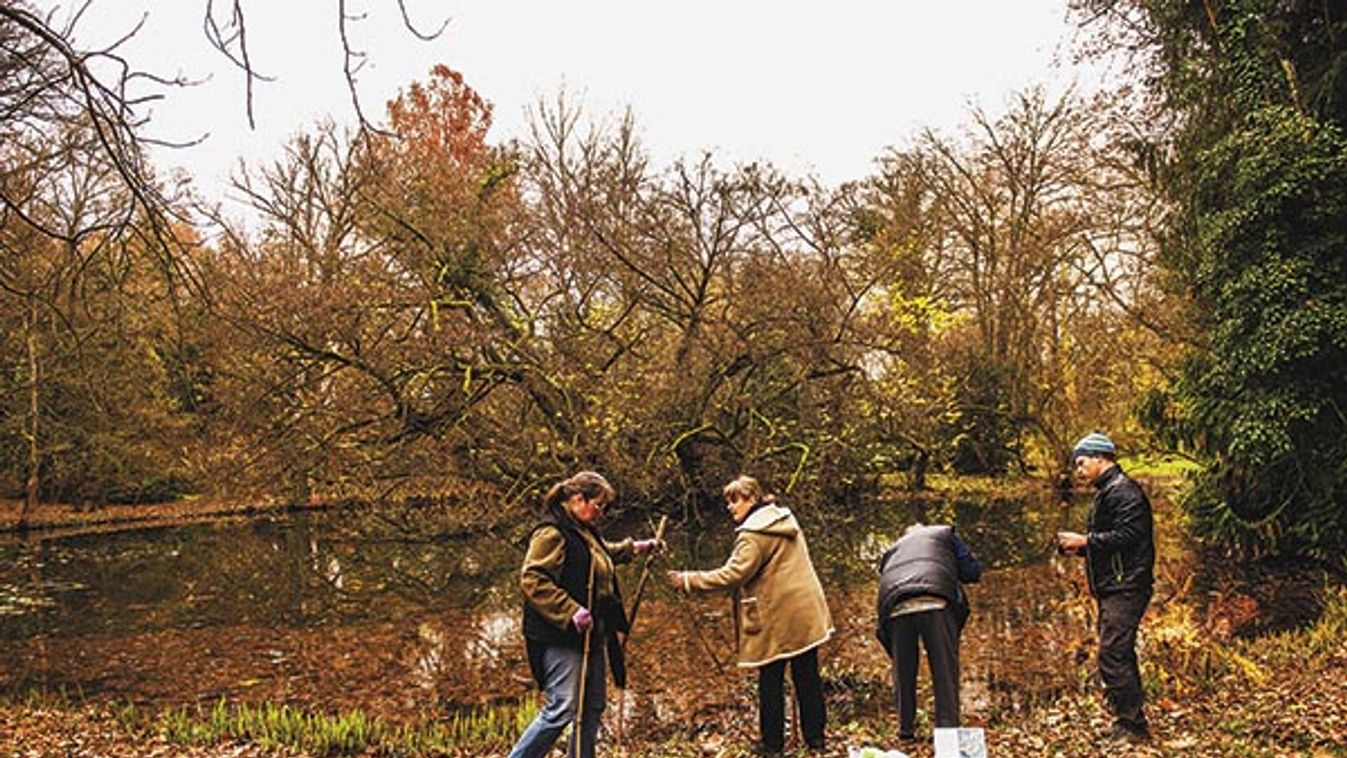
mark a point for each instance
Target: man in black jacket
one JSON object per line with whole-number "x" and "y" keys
{"x": 1119, "y": 550}
{"x": 921, "y": 598}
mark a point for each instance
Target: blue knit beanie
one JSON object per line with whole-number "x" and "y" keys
{"x": 1095, "y": 444}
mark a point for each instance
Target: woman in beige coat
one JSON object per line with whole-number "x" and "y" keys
{"x": 780, "y": 614}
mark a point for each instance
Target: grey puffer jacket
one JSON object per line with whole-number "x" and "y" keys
{"x": 926, "y": 560}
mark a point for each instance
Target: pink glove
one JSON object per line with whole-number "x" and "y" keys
{"x": 641, "y": 547}
{"x": 582, "y": 620}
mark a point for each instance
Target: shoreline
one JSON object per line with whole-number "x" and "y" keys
{"x": 49, "y": 520}
{"x": 57, "y": 520}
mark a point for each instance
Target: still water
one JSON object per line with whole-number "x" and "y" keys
{"x": 299, "y": 571}
{"x": 312, "y": 569}
{"x": 396, "y": 614}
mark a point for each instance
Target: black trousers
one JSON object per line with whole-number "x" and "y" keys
{"x": 938, "y": 631}
{"x": 772, "y": 700}
{"x": 1119, "y": 617}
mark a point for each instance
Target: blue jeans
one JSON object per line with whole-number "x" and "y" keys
{"x": 561, "y": 677}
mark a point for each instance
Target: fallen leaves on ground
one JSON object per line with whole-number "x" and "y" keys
{"x": 43, "y": 731}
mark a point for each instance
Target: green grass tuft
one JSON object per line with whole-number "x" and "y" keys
{"x": 346, "y": 733}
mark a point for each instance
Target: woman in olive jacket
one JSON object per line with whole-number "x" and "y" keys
{"x": 780, "y": 613}
{"x": 572, "y": 606}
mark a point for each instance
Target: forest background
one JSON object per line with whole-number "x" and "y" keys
{"x": 439, "y": 324}
{"x": 421, "y": 311}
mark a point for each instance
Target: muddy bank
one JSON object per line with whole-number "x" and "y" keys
{"x": 52, "y": 519}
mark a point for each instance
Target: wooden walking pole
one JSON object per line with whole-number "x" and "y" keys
{"x": 794, "y": 707}
{"x": 578, "y": 727}
{"x": 640, "y": 583}
{"x": 631, "y": 625}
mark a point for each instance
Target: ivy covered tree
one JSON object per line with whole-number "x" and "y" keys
{"x": 1257, "y": 170}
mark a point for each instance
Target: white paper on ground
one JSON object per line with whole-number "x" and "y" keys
{"x": 964, "y": 742}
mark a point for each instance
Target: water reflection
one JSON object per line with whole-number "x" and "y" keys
{"x": 495, "y": 632}
{"x": 303, "y": 571}
{"x": 399, "y": 615}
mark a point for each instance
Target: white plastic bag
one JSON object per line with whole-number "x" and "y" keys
{"x": 874, "y": 752}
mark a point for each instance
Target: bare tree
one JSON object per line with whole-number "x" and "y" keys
{"x": 1036, "y": 228}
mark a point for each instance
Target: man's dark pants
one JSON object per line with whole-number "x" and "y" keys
{"x": 1119, "y": 616}
{"x": 938, "y": 631}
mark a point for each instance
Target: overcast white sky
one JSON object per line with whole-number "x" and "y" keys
{"x": 812, "y": 87}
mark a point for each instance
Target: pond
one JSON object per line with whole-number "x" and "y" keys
{"x": 401, "y": 616}
{"x": 305, "y": 570}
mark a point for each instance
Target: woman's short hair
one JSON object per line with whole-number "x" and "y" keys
{"x": 746, "y": 487}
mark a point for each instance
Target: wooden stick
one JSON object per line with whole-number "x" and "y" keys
{"x": 577, "y": 728}
{"x": 631, "y": 624}
{"x": 794, "y": 706}
{"x": 640, "y": 584}
{"x": 686, "y": 602}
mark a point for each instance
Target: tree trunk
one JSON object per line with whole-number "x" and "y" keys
{"x": 917, "y": 481}
{"x": 34, "y": 452}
